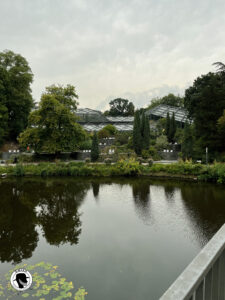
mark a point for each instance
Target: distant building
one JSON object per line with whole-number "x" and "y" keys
{"x": 94, "y": 120}
{"x": 160, "y": 111}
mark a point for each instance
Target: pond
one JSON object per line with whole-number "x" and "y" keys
{"x": 118, "y": 238}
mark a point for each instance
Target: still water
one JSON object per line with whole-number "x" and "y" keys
{"x": 120, "y": 239}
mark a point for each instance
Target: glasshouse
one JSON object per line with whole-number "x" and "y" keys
{"x": 161, "y": 111}
{"x": 94, "y": 120}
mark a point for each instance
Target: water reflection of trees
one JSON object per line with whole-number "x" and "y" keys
{"x": 53, "y": 205}
{"x": 18, "y": 237}
{"x": 169, "y": 192}
{"x": 205, "y": 206}
{"x": 95, "y": 188}
{"x": 141, "y": 197}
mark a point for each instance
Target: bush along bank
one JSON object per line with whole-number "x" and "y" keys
{"x": 183, "y": 170}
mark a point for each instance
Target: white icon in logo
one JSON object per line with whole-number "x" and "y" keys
{"x": 21, "y": 280}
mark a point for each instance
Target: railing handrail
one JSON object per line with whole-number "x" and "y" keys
{"x": 186, "y": 284}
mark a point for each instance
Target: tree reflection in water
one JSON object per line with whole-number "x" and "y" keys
{"x": 205, "y": 207}
{"x": 95, "y": 188}
{"x": 53, "y": 205}
{"x": 141, "y": 197}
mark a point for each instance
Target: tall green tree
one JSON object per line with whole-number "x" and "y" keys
{"x": 167, "y": 124}
{"x": 3, "y": 122}
{"x": 187, "y": 144}
{"x": 52, "y": 128}
{"x": 172, "y": 129}
{"x": 205, "y": 102}
{"x": 142, "y": 127}
{"x": 221, "y": 130}
{"x": 145, "y": 132}
{"x": 94, "y": 148}
{"x": 137, "y": 138}
{"x": 121, "y": 107}
{"x": 15, "y": 91}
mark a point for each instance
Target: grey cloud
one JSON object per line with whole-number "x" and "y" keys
{"x": 115, "y": 48}
{"x": 142, "y": 99}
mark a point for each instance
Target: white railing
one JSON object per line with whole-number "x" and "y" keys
{"x": 204, "y": 278}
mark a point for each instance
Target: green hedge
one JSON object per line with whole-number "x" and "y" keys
{"x": 213, "y": 173}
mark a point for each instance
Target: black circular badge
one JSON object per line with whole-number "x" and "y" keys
{"x": 21, "y": 280}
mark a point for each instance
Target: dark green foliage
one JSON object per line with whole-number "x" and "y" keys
{"x": 167, "y": 124}
{"x": 120, "y": 107}
{"x": 141, "y": 132}
{"x": 137, "y": 138}
{"x": 221, "y": 130}
{"x": 145, "y": 154}
{"x": 145, "y": 132}
{"x": 15, "y": 93}
{"x": 187, "y": 143}
{"x": 205, "y": 102}
{"x": 94, "y": 148}
{"x": 86, "y": 144}
{"x": 19, "y": 171}
{"x": 3, "y": 122}
{"x": 154, "y": 153}
{"x": 122, "y": 138}
{"x": 172, "y": 129}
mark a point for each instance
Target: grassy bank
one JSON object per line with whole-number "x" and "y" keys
{"x": 183, "y": 170}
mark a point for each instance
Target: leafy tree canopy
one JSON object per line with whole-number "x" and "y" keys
{"x": 3, "y": 122}
{"x": 107, "y": 131}
{"x": 120, "y": 107}
{"x": 111, "y": 129}
{"x": 221, "y": 129}
{"x": 53, "y": 127}
{"x": 65, "y": 95}
{"x": 15, "y": 91}
{"x": 137, "y": 138}
{"x": 170, "y": 99}
{"x": 205, "y": 102}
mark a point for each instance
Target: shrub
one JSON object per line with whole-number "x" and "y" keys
{"x": 18, "y": 171}
{"x": 126, "y": 168}
{"x": 23, "y": 158}
{"x": 150, "y": 162}
{"x": 103, "y": 133}
{"x": 140, "y": 159}
{"x": 152, "y": 151}
{"x": 85, "y": 145}
{"x": 122, "y": 138}
{"x": 161, "y": 142}
{"x": 145, "y": 154}
{"x": 87, "y": 160}
{"x": 111, "y": 129}
{"x": 108, "y": 161}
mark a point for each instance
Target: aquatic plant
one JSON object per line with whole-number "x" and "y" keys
{"x": 47, "y": 283}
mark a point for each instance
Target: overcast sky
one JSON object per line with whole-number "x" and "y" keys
{"x": 137, "y": 49}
